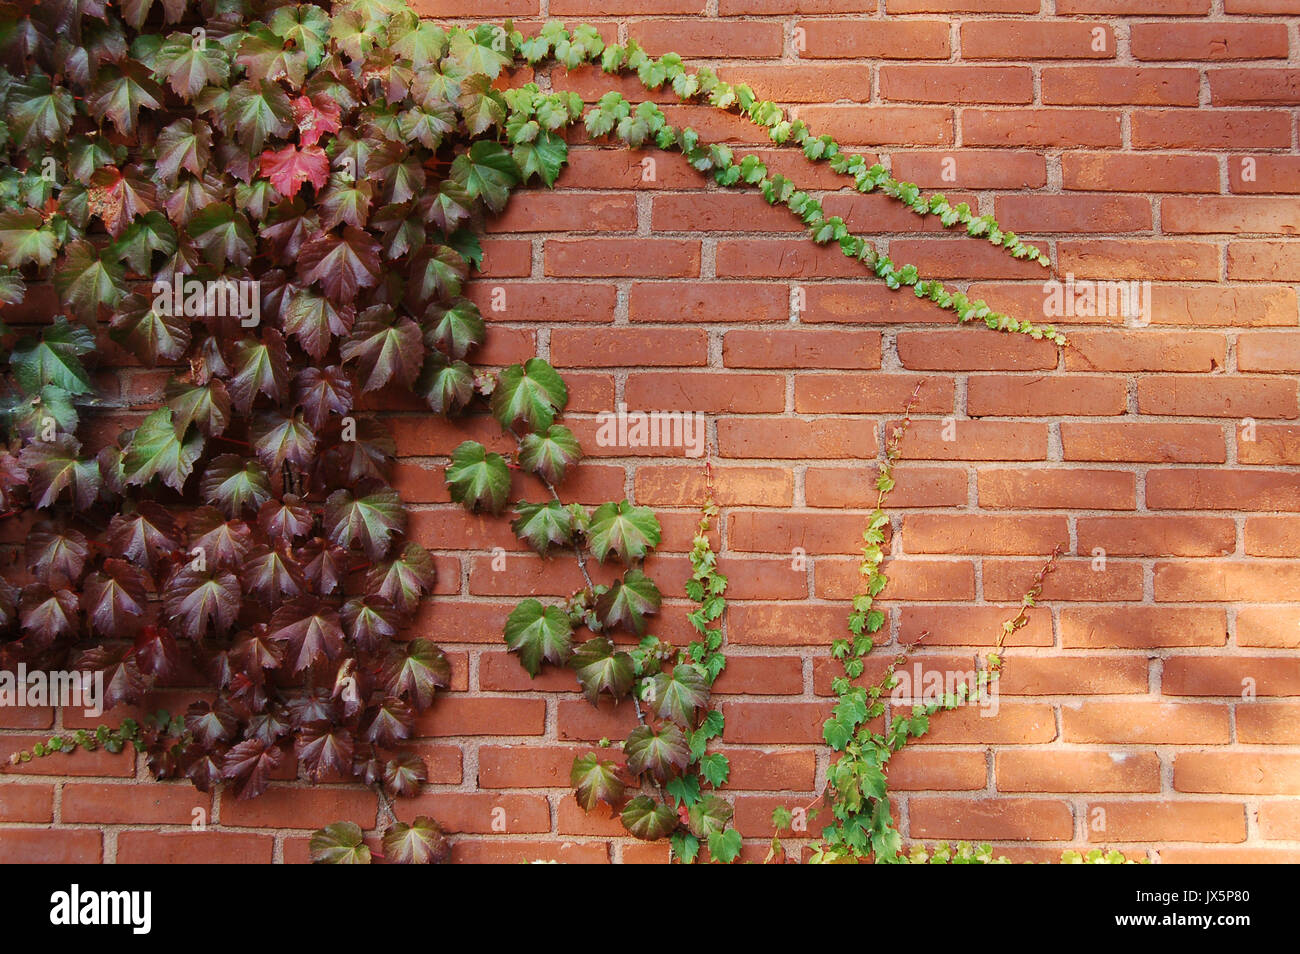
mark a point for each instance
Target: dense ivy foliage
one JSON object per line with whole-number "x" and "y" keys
{"x": 279, "y": 204}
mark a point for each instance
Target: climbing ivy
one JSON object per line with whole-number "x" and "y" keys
{"x": 279, "y": 204}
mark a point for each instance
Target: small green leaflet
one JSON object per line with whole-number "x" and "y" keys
{"x": 53, "y": 359}
{"x": 543, "y": 526}
{"x": 648, "y": 819}
{"x": 601, "y": 668}
{"x": 486, "y": 172}
{"x": 628, "y": 602}
{"x": 529, "y": 395}
{"x": 625, "y": 530}
{"x": 156, "y": 451}
{"x": 551, "y": 454}
{"x": 594, "y": 780}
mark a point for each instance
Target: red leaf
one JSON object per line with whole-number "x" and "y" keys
{"x": 314, "y": 119}
{"x": 290, "y": 167}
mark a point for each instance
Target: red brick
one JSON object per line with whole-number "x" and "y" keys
{"x": 1167, "y": 821}
{"x": 1128, "y": 172}
{"x": 29, "y": 846}
{"x": 1231, "y": 397}
{"x": 1157, "y": 443}
{"x": 876, "y": 39}
{"x": 1043, "y": 127}
{"x": 1003, "y": 488}
{"x": 1072, "y": 771}
{"x": 1033, "y": 40}
{"x": 957, "y": 84}
{"x": 1148, "y": 536}
{"x": 1208, "y": 41}
{"x": 1210, "y": 129}
{"x": 639, "y": 257}
{"x": 1021, "y": 819}
{"x": 801, "y": 349}
{"x": 1146, "y": 723}
{"x": 1119, "y": 86}
{"x": 1239, "y": 773}
{"x": 1141, "y": 627}
{"x": 700, "y": 302}
{"x": 961, "y": 533}
{"x": 1231, "y": 676}
{"x": 183, "y": 847}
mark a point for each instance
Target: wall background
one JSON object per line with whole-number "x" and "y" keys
{"x": 1125, "y": 692}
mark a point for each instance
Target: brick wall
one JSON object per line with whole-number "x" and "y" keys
{"x": 1150, "y": 140}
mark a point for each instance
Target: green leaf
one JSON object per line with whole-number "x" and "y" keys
{"x": 595, "y": 781}
{"x": 339, "y": 844}
{"x": 600, "y": 668}
{"x": 487, "y": 172}
{"x": 90, "y": 277}
{"x": 661, "y": 753}
{"x": 369, "y": 521}
{"x": 709, "y": 815}
{"x": 529, "y": 395}
{"x": 724, "y": 846}
{"x": 628, "y": 602}
{"x": 538, "y": 632}
{"x": 419, "y": 843}
{"x": 156, "y": 451}
{"x": 544, "y": 157}
{"x": 53, "y": 359}
{"x": 678, "y": 694}
{"x": 648, "y": 819}
{"x": 625, "y": 530}
{"x": 24, "y": 239}
{"x": 551, "y": 454}
{"x": 543, "y": 526}
{"x": 38, "y": 112}
{"x": 478, "y": 479}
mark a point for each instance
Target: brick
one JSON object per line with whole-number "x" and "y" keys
{"x": 1137, "y": 259}
{"x": 567, "y": 212}
{"x": 628, "y": 347}
{"x": 1074, "y": 580}
{"x": 1054, "y": 489}
{"x": 783, "y": 624}
{"x": 1217, "y": 396}
{"x": 968, "y": 349}
{"x": 543, "y": 302}
{"x": 1264, "y": 261}
{"x": 1185, "y": 489}
{"x": 1075, "y": 676}
{"x": 1034, "y": 40}
{"x": 810, "y": 83}
{"x": 1269, "y": 627}
{"x": 1146, "y": 723}
{"x": 725, "y": 212}
{"x": 1141, "y": 627}
{"x": 973, "y": 169}
{"x": 1119, "y": 86}
{"x": 28, "y": 846}
{"x": 1238, "y": 773}
{"x": 711, "y": 392}
{"x": 909, "y": 579}
{"x": 1223, "y": 582}
{"x": 1146, "y": 351}
{"x": 484, "y": 716}
{"x": 1240, "y": 305}
{"x": 1272, "y": 536}
{"x": 1231, "y": 214}
{"x": 1041, "y": 127}
{"x": 1072, "y": 771}
{"x": 774, "y": 722}
{"x": 974, "y": 440}
{"x": 874, "y": 393}
{"x": 767, "y": 438}
{"x": 639, "y": 257}
{"x": 1127, "y": 172}
{"x": 1264, "y": 173}
{"x": 971, "y": 626}
{"x": 822, "y": 349}
{"x": 916, "y": 487}
{"x": 1149, "y": 536}
{"x": 20, "y": 802}
{"x": 1020, "y": 819}
{"x": 1156, "y": 443}
{"x": 881, "y": 125}
{"x": 1058, "y": 213}
{"x": 1254, "y": 87}
{"x": 281, "y": 806}
{"x": 1168, "y": 821}
{"x": 961, "y": 533}
{"x": 1210, "y": 129}
{"x": 781, "y": 258}
{"x": 709, "y": 38}
{"x": 1231, "y": 676}
{"x": 173, "y": 803}
{"x": 841, "y": 302}
{"x": 700, "y": 302}
{"x": 1269, "y": 351}
{"x": 183, "y": 847}
{"x": 734, "y": 486}
{"x": 1269, "y": 723}
{"x": 876, "y": 39}
{"x": 781, "y": 532}
{"x": 1208, "y": 41}
{"x": 957, "y": 84}
{"x": 927, "y": 770}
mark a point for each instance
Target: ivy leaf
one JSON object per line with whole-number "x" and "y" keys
{"x": 316, "y": 320}
{"x": 50, "y": 550}
{"x": 114, "y": 599}
{"x": 24, "y": 239}
{"x": 188, "y": 67}
{"x": 595, "y": 781}
{"x": 339, "y": 844}
{"x": 38, "y": 112}
{"x": 324, "y": 749}
{"x": 624, "y": 530}
{"x": 322, "y": 392}
{"x": 649, "y": 819}
{"x": 479, "y": 50}
{"x": 53, "y": 358}
{"x": 342, "y": 264}
{"x": 538, "y": 632}
{"x": 404, "y": 580}
{"x": 446, "y": 385}
{"x": 202, "y": 602}
{"x": 478, "y": 479}
{"x": 456, "y": 329}
{"x": 251, "y": 765}
{"x": 90, "y": 278}
{"x": 543, "y": 526}
{"x": 148, "y": 335}
{"x": 306, "y": 27}
{"x": 235, "y": 485}
{"x": 386, "y": 347}
{"x": 486, "y": 172}
{"x": 419, "y": 843}
{"x": 156, "y": 451}
{"x": 207, "y": 406}
{"x": 403, "y": 776}
{"x": 415, "y": 671}
{"x": 709, "y": 815}
{"x": 47, "y": 614}
{"x": 120, "y": 91}
{"x": 678, "y": 694}
{"x": 368, "y": 521}
{"x": 223, "y": 235}
{"x": 551, "y": 454}
{"x": 529, "y": 395}
{"x": 601, "y": 669}
{"x": 261, "y": 366}
{"x": 145, "y": 537}
{"x": 278, "y": 439}
{"x": 437, "y": 272}
{"x": 724, "y": 846}
{"x": 544, "y": 158}
{"x": 310, "y": 632}
{"x": 257, "y": 110}
{"x": 628, "y": 602}
{"x": 661, "y": 753}
{"x": 290, "y": 168}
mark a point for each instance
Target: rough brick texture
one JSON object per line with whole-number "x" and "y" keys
{"x": 1153, "y": 703}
